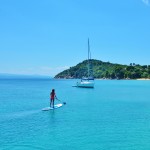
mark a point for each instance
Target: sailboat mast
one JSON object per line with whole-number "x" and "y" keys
{"x": 88, "y": 57}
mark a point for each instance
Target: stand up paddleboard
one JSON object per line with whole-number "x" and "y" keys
{"x": 51, "y": 108}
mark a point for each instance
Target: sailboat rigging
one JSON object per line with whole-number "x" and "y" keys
{"x": 87, "y": 82}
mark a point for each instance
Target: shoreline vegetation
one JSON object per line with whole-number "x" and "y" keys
{"x": 107, "y": 70}
{"x": 105, "y": 79}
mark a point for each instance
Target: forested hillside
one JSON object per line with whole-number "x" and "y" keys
{"x": 107, "y": 70}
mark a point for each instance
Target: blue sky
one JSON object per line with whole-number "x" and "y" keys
{"x": 45, "y": 37}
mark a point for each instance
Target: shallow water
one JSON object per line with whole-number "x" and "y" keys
{"x": 113, "y": 115}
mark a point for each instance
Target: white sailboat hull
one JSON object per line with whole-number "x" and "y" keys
{"x": 85, "y": 84}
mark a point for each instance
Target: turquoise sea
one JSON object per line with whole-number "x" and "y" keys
{"x": 115, "y": 115}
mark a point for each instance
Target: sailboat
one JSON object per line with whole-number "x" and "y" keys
{"x": 87, "y": 82}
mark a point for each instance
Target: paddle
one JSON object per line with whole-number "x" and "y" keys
{"x": 61, "y": 101}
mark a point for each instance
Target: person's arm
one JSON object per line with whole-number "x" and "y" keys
{"x": 55, "y": 96}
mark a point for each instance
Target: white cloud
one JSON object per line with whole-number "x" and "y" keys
{"x": 44, "y": 70}
{"x": 52, "y": 70}
{"x": 145, "y": 2}
{"x": 62, "y": 68}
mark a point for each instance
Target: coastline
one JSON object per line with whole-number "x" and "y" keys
{"x": 106, "y": 79}
{"x": 142, "y": 79}
{"x": 125, "y": 79}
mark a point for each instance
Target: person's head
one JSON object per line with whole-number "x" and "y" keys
{"x": 53, "y": 90}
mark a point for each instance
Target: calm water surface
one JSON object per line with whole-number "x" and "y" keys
{"x": 115, "y": 115}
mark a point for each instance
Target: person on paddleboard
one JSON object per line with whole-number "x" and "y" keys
{"x": 52, "y": 98}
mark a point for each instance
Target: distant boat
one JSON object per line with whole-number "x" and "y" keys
{"x": 87, "y": 82}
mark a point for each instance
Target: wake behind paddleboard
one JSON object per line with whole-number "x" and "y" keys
{"x": 51, "y": 108}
